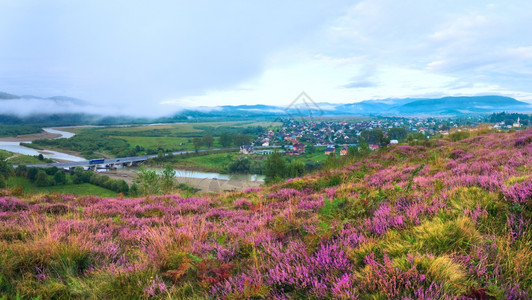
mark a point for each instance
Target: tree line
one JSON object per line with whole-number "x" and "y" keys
{"x": 226, "y": 140}
{"x": 14, "y": 130}
{"x": 509, "y": 118}
{"x": 277, "y": 167}
{"x": 53, "y": 176}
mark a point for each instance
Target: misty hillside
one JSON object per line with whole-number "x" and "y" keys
{"x": 6, "y": 96}
{"x": 61, "y": 110}
{"x": 56, "y": 99}
{"x": 439, "y": 220}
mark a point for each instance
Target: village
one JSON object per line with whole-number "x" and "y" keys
{"x": 294, "y": 136}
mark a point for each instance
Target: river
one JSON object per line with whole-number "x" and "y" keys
{"x": 210, "y": 175}
{"x": 64, "y": 134}
{"x": 17, "y": 148}
{"x": 215, "y": 182}
{"x": 201, "y": 175}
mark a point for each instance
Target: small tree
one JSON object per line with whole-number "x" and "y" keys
{"x": 331, "y": 161}
{"x": 296, "y": 168}
{"x": 352, "y": 152}
{"x": 397, "y": 133}
{"x": 208, "y": 141}
{"x": 60, "y": 177}
{"x": 160, "y": 155}
{"x": 148, "y": 182}
{"x": 133, "y": 190}
{"x": 197, "y": 143}
{"x": 42, "y": 179}
{"x": 20, "y": 171}
{"x": 51, "y": 170}
{"x": 76, "y": 175}
{"x": 3, "y": 182}
{"x": 32, "y": 174}
{"x": 410, "y": 139}
{"x": 123, "y": 187}
{"x": 5, "y": 169}
{"x": 226, "y": 140}
{"x": 167, "y": 179}
{"x": 275, "y": 167}
{"x": 240, "y": 166}
{"x": 363, "y": 147}
{"x": 241, "y": 139}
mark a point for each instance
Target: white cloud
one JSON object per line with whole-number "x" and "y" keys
{"x": 246, "y": 53}
{"x": 389, "y": 49}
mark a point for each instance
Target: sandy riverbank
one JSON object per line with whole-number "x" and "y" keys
{"x": 206, "y": 185}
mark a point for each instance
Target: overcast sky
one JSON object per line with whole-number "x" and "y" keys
{"x": 155, "y": 57}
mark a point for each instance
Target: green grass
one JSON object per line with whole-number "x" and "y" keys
{"x": 5, "y": 154}
{"x": 83, "y": 189}
{"x": 214, "y": 162}
{"x": 173, "y": 128}
{"x": 318, "y": 156}
{"x": 184, "y": 128}
{"x": 25, "y": 160}
{"x": 331, "y": 207}
{"x": 122, "y": 141}
{"x": 218, "y": 162}
{"x": 19, "y": 159}
{"x": 164, "y": 142}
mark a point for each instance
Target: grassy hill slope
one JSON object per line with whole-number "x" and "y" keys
{"x": 451, "y": 219}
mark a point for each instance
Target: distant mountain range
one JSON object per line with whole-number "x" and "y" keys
{"x": 408, "y": 106}
{"x": 56, "y": 99}
{"x": 30, "y": 109}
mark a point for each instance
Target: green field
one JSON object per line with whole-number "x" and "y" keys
{"x": 189, "y": 129}
{"x": 149, "y": 139}
{"x": 219, "y": 161}
{"x": 178, "y": 143}
{"x": 19, "y": 159}
{"x": 171, "y": 128}
{"x": 317, "y": 156}
{"x": 5, "y": 154}
{"x": 24, "y": 160}
{"x": 212, "y": 162}
{"x": 74, "y": 189}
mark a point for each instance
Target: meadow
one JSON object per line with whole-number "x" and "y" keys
{"x": 82, "y": 189}
{"x": 5, "y": 154}
{"x": 208, "y": 162}
{"x": 20, "y": 159}
{"x": 116, "y": 141}
{"x": 26, "y": 160}
{"x": 435, "y": 221}
{"x": 221, "y": 161}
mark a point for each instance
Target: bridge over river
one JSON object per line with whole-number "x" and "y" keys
{"x": 112, "y": 162}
